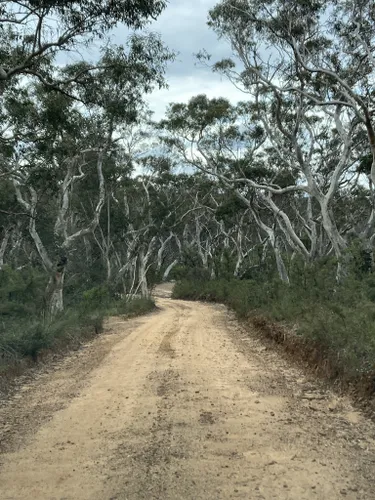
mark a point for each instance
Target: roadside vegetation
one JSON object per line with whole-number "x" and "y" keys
{"x": 330, "y": 324}
{"x": 26, "y": 329}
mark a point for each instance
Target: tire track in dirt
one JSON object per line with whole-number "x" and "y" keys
{"x": 183, "y": 404}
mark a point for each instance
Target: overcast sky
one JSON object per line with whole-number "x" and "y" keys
{"x": 183, "y": 28}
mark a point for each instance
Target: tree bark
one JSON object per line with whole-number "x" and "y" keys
{"x": 283, "y": 274}
{"x": 169, "y": 269}
{"x": 3, "y": 247}
{"x": 142, "y": 275}
{"x": 55, "y": 289}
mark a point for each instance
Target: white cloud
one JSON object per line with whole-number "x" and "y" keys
{"x": 181, "y": 89}
{"x": 183, "y": 27}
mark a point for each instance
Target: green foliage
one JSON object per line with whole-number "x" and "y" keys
{"x": 96, "y": 298}
{"x": 25, "y": 331}
{"x": 75, "y": 22}
{"x": 21, "y": 292}
{"x": 185, "y": 271}
{"x": 231, "y": 206}
{"x": 365, "y": 163}
{"x": 199, "y": 113}
{"x": 135, "y": 307}
{"x": 27, "y": 338}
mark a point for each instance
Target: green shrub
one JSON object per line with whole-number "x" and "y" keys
{"x": 25, "y": 330}
{"x": 97, "y": 298}
{"x": 21, "y": 291}
{"x": 134, "y": 307}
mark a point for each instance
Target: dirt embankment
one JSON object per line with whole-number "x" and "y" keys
{"x": 182, "y": 404}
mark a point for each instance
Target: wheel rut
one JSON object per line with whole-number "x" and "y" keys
{"x": 182, "y": 404}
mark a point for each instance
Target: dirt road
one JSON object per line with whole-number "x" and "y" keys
{"x": 181, "y": 404}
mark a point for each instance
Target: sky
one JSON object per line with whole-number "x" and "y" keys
{"x": 183, "y": 29}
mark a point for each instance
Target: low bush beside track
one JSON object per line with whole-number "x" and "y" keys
{"x": 331, "y": 327}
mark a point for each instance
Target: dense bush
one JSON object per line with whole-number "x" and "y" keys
{"x": 339, "y": 319}
{"x": 25, "y": 329}
{"x": 135, "y": 307}
{"x": 21, "y": 292}
{"x": 97, "y": 298}
{"x": 22, "y": 338}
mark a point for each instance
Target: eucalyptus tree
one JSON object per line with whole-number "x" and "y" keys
{"x": 34, "y": 33}
{"x": 59, "y": 165}
{"x": 307, "y": 68}
{"x": 148, "y": 209}
{"x": 218, "y": 139}
{"x": 46, "y": 178}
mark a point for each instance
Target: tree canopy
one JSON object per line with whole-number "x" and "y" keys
{"x": 96, "y": 193}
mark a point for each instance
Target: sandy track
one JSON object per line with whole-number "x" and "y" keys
{"x": 182, "y": 404}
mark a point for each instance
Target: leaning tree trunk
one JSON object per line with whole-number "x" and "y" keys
{"x": 142, "y": 274}
{"x": 281, "y": 269}
{"x": 236, "y": 272}
{"x": 55, "y": 289}
{"x": 283, "y": 274}
{"x": 169, "y": 269}
{"x": 3, "y": 247}
{"x": 337, "y": 241}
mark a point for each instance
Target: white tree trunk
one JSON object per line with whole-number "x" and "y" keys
{"x": 108, "y": 267}
{"x": 3, "y": 247}
{"x": 236, "y": 272}
{"x": 330, "y": 228}
{"x": 55, "y": 287}
{"x": 283, "y": 274}
{"x": 162, "y": 250}
{"x": 142, "y": 275}
{"x": 57, "y": 302}
{"x": 55, "y": 290}
{"x": 169, "y": 269}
